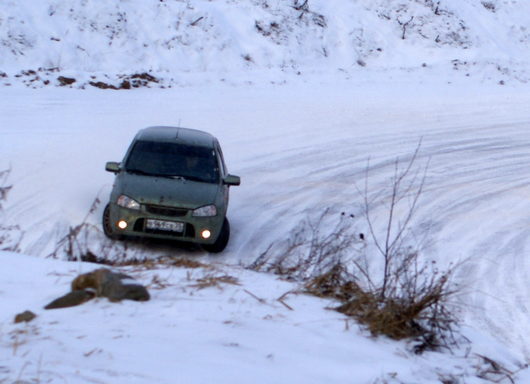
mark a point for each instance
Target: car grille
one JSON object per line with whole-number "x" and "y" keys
{"x": 166, "y": 211}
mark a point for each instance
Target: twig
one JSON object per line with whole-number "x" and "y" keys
{"x": 301, "y": 7}
{"x": 194, "y": 23}
{"x": 259, "y": 299}
{"x": 404, "y": 26}
{"x": 281, "y": 300}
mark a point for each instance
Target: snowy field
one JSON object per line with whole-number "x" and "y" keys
{"x": 311, "y": 101}
{"x": 299, "y": 148}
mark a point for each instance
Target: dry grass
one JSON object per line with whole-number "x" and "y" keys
{"x": 313, "y": 247}
{"x": 187, "y": 263}
{"x": 404, "y": 296}
{"x": 159, "y": 283}
{"x": 214, "y": 281}
{"x": 4, "y": 187}
{"x": 86, "y": 242}
{"x": 423, "y": 315}
{"x": 21, "y": 335}
{"x": 409, "y": 301}
{"x": 10, "y": 235}
{"x": 492, "y": 371}
{"x": 144, "y": 263}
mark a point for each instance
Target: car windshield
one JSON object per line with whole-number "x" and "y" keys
{"x": 173, "y": 160}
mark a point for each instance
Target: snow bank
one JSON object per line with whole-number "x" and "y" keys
{"x": 192, "y": 332}
{"x": 258, "y": 39}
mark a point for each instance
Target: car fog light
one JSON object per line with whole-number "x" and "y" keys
{"x": 122, "y": 224}
{"x": 206, "y": 234}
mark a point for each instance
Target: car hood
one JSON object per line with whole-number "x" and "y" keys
{"x": 165, "y": 191}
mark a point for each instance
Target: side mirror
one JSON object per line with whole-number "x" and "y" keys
{"x": 112, "y": 166}
{"x": 232, "y": 180}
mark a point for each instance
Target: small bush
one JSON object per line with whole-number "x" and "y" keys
{"x": 10, "y": 235}
{"x": 86, "y": 242}
{"x": 404, "y": 296}
{"x": 423, "y": 315}
{"x": 314, "y": 247}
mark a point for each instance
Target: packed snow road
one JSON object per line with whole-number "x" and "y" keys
{"x": 300, "y": 149}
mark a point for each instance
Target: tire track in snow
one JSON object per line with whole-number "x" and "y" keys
{"x": 476, "y": 203}
{"x": 304, "y": 157}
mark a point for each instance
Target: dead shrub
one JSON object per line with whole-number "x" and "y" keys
{"x": 313, "y": 248}
{"x": 409, "y": 296}
{"x": 86, "y": 242}
{"x": 74, "y": 245}
{"x": 495, "y": 372}
{"x": 380, "y": 279}
{"x": 4, "y": 186}
{"x": 10, "y": 235}
{"x": 423, "y": 315}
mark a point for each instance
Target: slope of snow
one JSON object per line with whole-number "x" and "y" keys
{"x": 226, "y": 333}
{"x": 298, "y": 152}
{"x": 177, "y": 41}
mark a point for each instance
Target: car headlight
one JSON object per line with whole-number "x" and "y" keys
{"x": 127, "y": 202}
{"x": 206, "y": 211}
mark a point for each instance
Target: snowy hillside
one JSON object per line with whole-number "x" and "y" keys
{"x": 176, "y": 40}
{"x": 311, "y": 101}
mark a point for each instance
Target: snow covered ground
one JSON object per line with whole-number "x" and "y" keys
{"x": 299, "y": 149}
{"x": 184, "y": 42}
{"x": 226, "y": 333}
{"x": 302, "y": 98}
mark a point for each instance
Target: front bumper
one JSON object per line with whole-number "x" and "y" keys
{"x": 192, "y": 226}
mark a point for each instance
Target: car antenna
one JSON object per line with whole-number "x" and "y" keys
{"x": 178, "y": 130}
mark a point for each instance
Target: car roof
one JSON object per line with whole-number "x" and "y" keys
{"x": 176, "y": 135}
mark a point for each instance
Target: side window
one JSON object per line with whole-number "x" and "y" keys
{"x": 224, "y": 171}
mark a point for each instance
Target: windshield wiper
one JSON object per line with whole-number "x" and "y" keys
{"x": 174, "y": 177}
{"x": 187, "y": 177}
{"x": 195, "y": 178}
{"x": 138, "y": 172}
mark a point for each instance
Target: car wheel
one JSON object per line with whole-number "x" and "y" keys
{"x": 107, "y": 226}
{"x": 222, "y": 240}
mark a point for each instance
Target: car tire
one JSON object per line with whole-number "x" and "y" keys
{"x": 222, "y": 239}
{"x": 107, "y": 226}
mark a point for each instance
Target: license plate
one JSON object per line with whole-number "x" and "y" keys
{"x": 162, "y": 225}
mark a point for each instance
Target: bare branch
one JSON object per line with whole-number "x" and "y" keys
{"x": 404, "y": 26}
